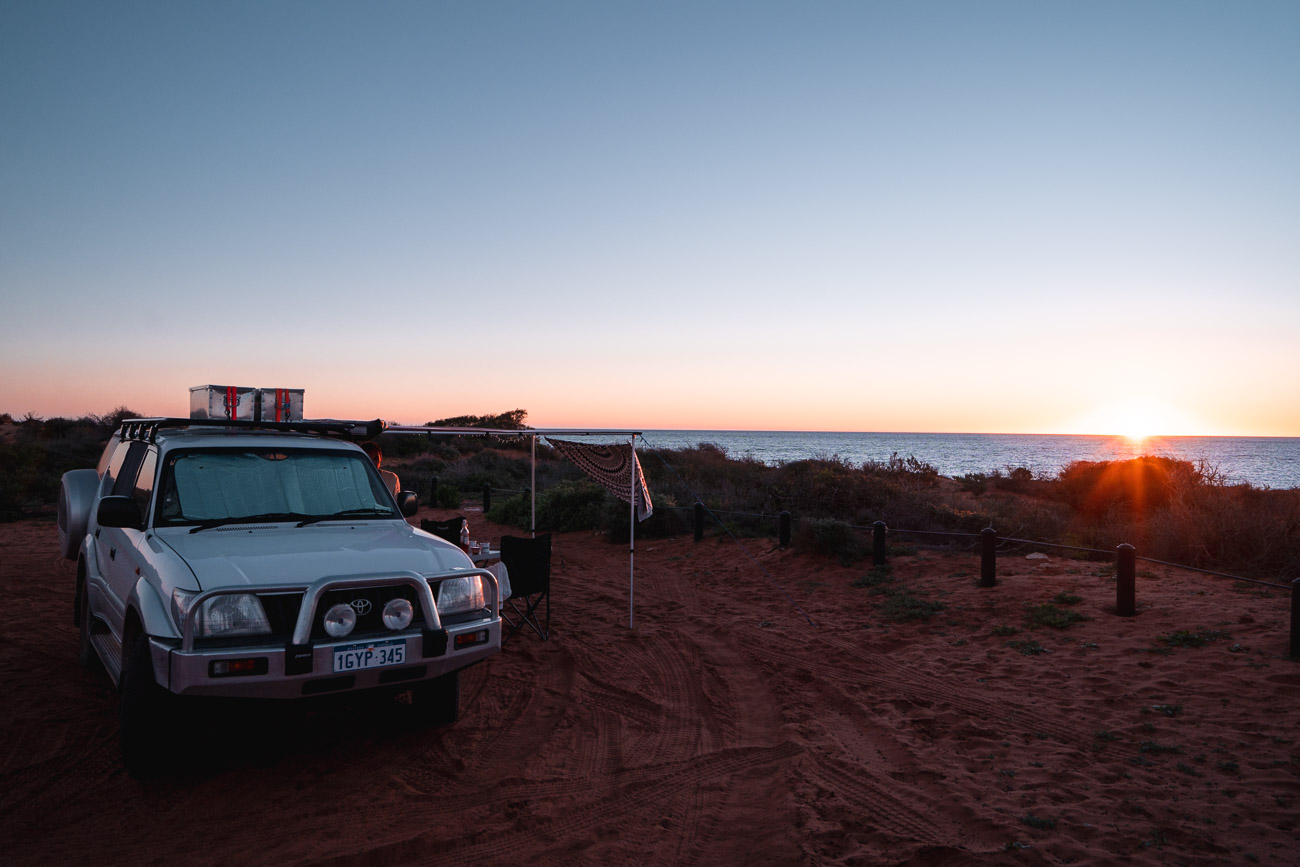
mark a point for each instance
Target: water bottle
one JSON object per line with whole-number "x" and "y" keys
{"x": 464, "y": 535}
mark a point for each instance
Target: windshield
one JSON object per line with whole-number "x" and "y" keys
{"x": 230, "y": 485}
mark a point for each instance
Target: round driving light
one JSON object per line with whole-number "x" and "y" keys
{"x": 340, "y": 620}
{"x": 398, "y": 614}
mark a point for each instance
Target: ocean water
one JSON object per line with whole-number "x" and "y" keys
{"x": 1272, "y": 462}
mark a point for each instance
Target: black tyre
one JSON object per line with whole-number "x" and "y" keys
{"x": 437, "y": 702}
{"x": 148, "y": 724}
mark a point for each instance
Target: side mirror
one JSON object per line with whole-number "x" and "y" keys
{"x": 119, "y": 512}
{"x": 408, "y": 502}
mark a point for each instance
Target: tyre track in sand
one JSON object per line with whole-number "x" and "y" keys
{"x": 517, "y": 719}
{"x": 616, "y": 802}
{"x": 870, "y": 796}
{"x": 850, "y": 664}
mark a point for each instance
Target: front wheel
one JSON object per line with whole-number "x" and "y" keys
{"x": 437, "y": 702}
{"x": 147, "y": 715}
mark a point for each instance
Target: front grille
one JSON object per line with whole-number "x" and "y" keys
{"x": 372, "y": 621}
{"x": 282, "y": 612}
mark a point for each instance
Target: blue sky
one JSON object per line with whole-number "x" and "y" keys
{"x": 1002, "y": 216}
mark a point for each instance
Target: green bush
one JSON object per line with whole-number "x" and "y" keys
{"x": 666, "y": 521}
{"x": 32, "y": 466}
{"x": 513, "y": 511}
{"x": 447, "y": 497}
{"x": 1169, "y": 509}
{"x": 1048, "y": 614}
{"x": 878, "y": 579}
{"x": 829, "y": 536}
{"x": 1133, "y": 487}
{"x": 902, "y": 605}
{"x": 1017, "y": 480}
{"x": 568, "y": 506}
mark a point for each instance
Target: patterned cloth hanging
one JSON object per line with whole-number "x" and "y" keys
{"x": 610, "y": 466}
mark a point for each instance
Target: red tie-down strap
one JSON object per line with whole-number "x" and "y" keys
{"x": 232, "y": 402}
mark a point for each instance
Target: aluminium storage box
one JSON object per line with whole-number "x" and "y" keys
{"x": 223, "y": 401}
{"x": 279, "y": 404}
{"x": 246, "y": 404}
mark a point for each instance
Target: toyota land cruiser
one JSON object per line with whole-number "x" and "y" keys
{"x": 262, "y": 560}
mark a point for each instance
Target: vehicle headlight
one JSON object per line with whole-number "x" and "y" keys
{"x": 181, "y": 602}
{"x": 398, "y": 614}
{"x": 340, "y": 620}
{"x": 229, "y": 614}
{"x": 458, "y": 595}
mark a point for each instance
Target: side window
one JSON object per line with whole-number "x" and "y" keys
{"x": 169, "y": 505}
{"x": 123, "y": 469}
{"x": 144, "y": 482}
{"x": 116, "y": 459}
{"x": 106, "y": 458}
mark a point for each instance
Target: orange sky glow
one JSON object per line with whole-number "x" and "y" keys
{"x": 703, "y": 408}
{"x": 1005, "y": 218}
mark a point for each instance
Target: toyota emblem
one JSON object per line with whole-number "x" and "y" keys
{"x": 361, "y": 606}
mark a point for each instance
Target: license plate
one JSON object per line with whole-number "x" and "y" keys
{"x": 374, "y": 654}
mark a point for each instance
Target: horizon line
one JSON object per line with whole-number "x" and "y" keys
{"x": 648, "y": 429}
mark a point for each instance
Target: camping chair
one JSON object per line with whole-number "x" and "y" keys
{"x": 449, "y": 529}
{"x": 528, "y": 562}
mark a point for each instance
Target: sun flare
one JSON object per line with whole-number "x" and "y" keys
{"x": 1137, "y": 427}
{"x": 1138, "y": 421}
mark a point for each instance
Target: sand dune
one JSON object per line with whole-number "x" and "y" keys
{"x": 763, "y": 711}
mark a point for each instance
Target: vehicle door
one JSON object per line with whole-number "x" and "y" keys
{"x": 115, "y": 547}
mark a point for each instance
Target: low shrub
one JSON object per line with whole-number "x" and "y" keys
{"x": 1171, "y": 510}
{"x": 877, "y": 579}
{"x": 902, "y": 605}
{"x": 513, "y": 511}
{"x": 568, "y": 506}
{"x": 1048, "y": 614}
{"x": 1017, "y": 480}
{"x": 829, "y": 536}
{"x": 33, "y": 464}
{"x": 447, "y": 497}
{"x": 1186, "y": 638}
{"x": 578, "y": 505}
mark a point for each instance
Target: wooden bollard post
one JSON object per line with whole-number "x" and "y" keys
{"x": 487, "y": 497}
{"x": 878, "y": 543}
{"x": 1295, "y": 619}
{"x": 988, "y": 557}
{"x": 433, "y": 490}
{"x": 1125, "y": 580}
{"x": 783, "y": 530}
{"x": 699, "y": 521}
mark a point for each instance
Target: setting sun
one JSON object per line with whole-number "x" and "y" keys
{"x": 1139, "y": 424}
{"x": 1138, "y": 420}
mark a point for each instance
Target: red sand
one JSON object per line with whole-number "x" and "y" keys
{"x": 723, "y": 729}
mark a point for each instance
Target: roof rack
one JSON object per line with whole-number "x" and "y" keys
{"x": 146, "y": 429}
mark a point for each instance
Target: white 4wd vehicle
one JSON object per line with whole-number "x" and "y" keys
{"x": 242, "y": 559}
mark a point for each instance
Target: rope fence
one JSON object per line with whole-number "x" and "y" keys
{"x": 1125, "y": 556}
{"x": 988, "y": 543}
